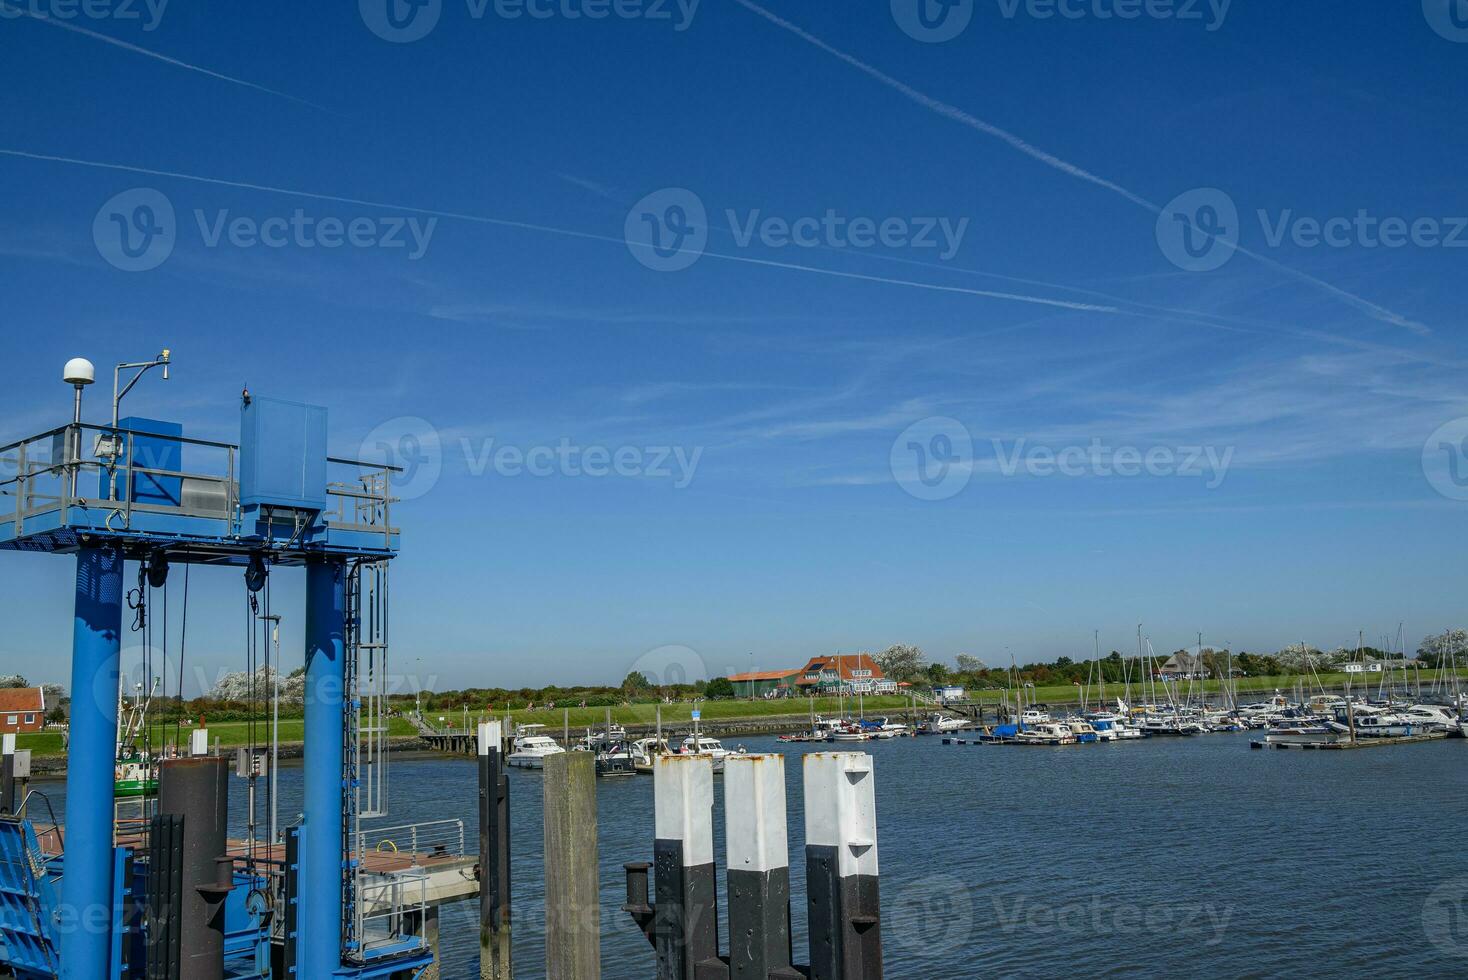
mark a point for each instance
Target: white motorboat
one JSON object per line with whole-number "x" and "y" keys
{"x": 1117, "y": 725}
{"x": 886, "y": 728}
{"x": 697, "y": 744}
{"x": 1307, "y": 733}
{"x": 531, "y": 748}
{"x": 1171, "y": 724}
{"x": 1384, "y": 724}
{"x": 940, "y": 724}
{"x": 1431, "y": 717}
{"x": 1034, "y": 716}
{"x": 1048, "y": 733}
{"x": 645, "y": 752}
{"x": 1463, "y": 727}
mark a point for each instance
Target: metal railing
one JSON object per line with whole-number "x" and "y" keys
{"x": 94, "y": 466}
{"x": 432, "y": 840}
{"x": 389, "y": 911}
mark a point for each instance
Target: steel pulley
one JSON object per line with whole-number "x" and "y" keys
{"x": 256, "y": 573}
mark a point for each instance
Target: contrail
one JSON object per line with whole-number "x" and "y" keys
{"x": 553, "y": 230}
{"x": 95, "y": 35}
{"x": 1064, "y": 166}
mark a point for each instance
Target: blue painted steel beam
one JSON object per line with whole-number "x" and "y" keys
{"x": 86, "y": 886}
{"x": 322, "y": 852}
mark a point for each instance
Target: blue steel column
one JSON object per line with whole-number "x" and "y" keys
{"x": 86, "y": 886}
{"x": 320, "y": 914}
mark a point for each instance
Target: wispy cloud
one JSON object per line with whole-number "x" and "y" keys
{"x": 135, "y": 49}
{"x": 600, "y": 190}
{"x": 1024, "y": 298}
{"x": 973, "y": 122}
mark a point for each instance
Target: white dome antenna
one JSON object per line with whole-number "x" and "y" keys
{"x": 79, "y": 371}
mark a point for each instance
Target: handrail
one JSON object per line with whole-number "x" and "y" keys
{"x": 187, "y": 440}
{"x": 440, "y": 838}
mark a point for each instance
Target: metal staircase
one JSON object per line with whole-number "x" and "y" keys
{"x": 28, "y": 940}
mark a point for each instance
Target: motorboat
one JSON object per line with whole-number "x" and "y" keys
{"x": 853, "y": 732}
{"x": 1117, "y": 725}
{"x": 531, "y": 748}
{"x": 1385, "y": 724}
{"x": 1307, "y": 733}
{"x": 940, "y": 724}
{"x": 1034, "y": 716}
{"x": 645, "y": 752}
{"x": 613, "y": 757}
{"x": 1047, "y": 733}
{"x": 703, "y": 745}
{"x": 1431, "y": 717}
{"x": 1171, "y": 725}
{"x": 886, "y": 728}
{"x": 1084, "y": 732}
{"x": 613, "y": 733}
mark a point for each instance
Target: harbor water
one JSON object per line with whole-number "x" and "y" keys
{"x": 1166, "y": 857}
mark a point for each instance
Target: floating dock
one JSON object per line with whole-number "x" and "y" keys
{"x": 1360, "y": 743}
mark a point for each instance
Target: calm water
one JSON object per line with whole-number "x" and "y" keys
{"x": 1169, "y": 857}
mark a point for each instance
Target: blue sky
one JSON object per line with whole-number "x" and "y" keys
{"x": 778, "y": 405}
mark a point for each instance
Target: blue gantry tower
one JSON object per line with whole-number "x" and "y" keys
{"x": 143, "y": 491}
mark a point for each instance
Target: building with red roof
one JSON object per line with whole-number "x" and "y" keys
{"x": 22, "y": 709}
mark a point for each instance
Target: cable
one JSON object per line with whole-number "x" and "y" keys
{"x": 183, "y": 646}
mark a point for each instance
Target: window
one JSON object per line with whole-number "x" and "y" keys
{"x": 11, "y": 719}
{"x": 861, "y": 673}
{"x": 30, "y": 719}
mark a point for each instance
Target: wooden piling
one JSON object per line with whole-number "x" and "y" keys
{"x": 572, "y": 907}
{"x": 434, "y": 970}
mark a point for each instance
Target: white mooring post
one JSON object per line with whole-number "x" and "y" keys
{"x": 841, "y": 867}
{"x": 686, "y": 911}
{"x": 494, "y": 855}
{"x": 199, "y": 743}
{"x": 758, "y": 866}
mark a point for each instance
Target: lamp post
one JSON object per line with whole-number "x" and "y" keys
{"x": 143, "y": 367}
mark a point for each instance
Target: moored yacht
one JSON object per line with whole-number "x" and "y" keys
{"x": 1307, "y": 733}
{"x": 1084, "y": 732}
{"x": 530, "y": 748}
{"x": 939, "y": 723}
{"x": 1430, "y": 717}
{"x": 1048, "y": 733}
{"x": 1384, "y": 724}
{"x": 697, "y": 744}
{"x": 645, "y": 752}
{"x": 1117, "y": 725}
